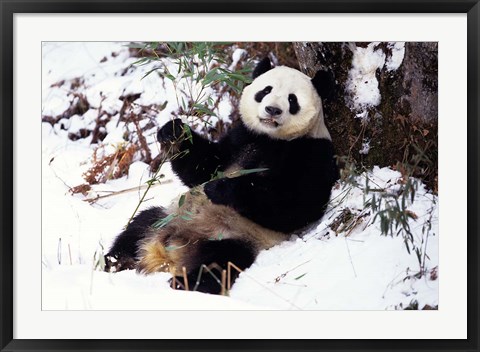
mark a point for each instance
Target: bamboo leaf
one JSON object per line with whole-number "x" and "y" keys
{"x": 299, "y": 277}
{"x": 251, "y": 171}
{"x": 188, "y": 132}
{"x": 181, "y": 200}
{"x": 150, "y": 71}
{"x": 141, "y": 61}
{"x": 204, "y": 109}
{"x": 170, "y": 76}
{"x": 164, "y": 222}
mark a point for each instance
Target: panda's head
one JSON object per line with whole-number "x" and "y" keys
{"x": 284, "y": 103}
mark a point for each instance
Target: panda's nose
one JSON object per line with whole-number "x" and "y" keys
{"x": 273, "y": 111}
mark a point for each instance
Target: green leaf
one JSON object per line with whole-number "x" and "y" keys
{"x": 173, "y": 247}
{"x": 149, "y": 72}
{"x": 299, "y": 277}
{"x": 170, "y": 76}
{"x": 212, "y": 79}
{"x": 188, "y": 132}
{"x": 238, "y": 77}
{"x": 218, "y": 174}
{"x": 251, "y": 171}
{"x": 181, "y": 200}
{"x": 141, "y": 61}
{"x": 203, "y": 109}
{"x": 234, "y": 87}
{"x": 211, "y": 76}
{"x": 419, "y": 254}
{"x": 164, "y": 222}
{"x": 151, "y": 182}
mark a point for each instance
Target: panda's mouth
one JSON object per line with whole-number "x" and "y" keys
{"x": 269, "y": 122}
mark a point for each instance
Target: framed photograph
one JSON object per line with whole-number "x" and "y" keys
{"x": 246, "y": 175}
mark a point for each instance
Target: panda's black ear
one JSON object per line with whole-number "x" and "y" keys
{"x": 263, "y": 66}
{"x": 324, "y": 83}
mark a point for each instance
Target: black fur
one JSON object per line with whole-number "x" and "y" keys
{"x": 123, "y": 253}
{"x": 203, "y": 157}
{"x": 263, "y": 66}
{"x": 293, "y": 101}
{"x": 324, "y": 83}
{"x": 215, "y": 255}
{"x": 261, "y": 94}
{"x": 171, "y": 131}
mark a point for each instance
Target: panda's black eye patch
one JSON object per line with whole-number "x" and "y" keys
{"x": 261, "y": 94}
{"x": 293, "y": 101}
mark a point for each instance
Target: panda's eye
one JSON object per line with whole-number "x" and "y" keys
{"x": 293, "y": 101}
{"x": 261, "y": 94}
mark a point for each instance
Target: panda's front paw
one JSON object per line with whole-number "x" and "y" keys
{"x": 219, "y": 191}
{"x": 171, "y": 131}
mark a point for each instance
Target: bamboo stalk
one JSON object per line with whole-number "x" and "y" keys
{"x": 224, "y": 279}
{"x": 185, "y": 279}
{"x": 123, "y": 191}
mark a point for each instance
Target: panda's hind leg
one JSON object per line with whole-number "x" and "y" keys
{"x": 211, "y": 258}
{"x": 123, "y": 253}
{"x": 203, "y": 259}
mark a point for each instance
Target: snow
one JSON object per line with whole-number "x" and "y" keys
{"x": 362, "y": 83}
{"x": 398, "y": 52}
{"x": 365, "y": 147}
{"x": 225, "y": 110}
{"x": 355, "y": 269}
{"x": 236, "y": 56}
{"x": 58, "y": 102}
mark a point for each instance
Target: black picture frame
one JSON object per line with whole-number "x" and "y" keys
{"x": 9, "y": 7}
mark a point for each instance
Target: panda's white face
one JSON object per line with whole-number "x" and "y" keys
{"x": 283, "y": 104}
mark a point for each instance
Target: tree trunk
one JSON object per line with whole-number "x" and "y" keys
{"x": 384, "y": 110}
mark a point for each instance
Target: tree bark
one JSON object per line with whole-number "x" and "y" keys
{"x": 384, "y": 110}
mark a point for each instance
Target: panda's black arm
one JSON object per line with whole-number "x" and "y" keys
{"x": 197, "y": 158}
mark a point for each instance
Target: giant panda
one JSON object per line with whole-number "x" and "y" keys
{"x": 278, "y": 169}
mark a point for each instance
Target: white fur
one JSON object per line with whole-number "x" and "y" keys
{"x": 309, "y": 121}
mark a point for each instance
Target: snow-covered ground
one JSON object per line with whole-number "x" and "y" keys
{"x": 354, "y": 269}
